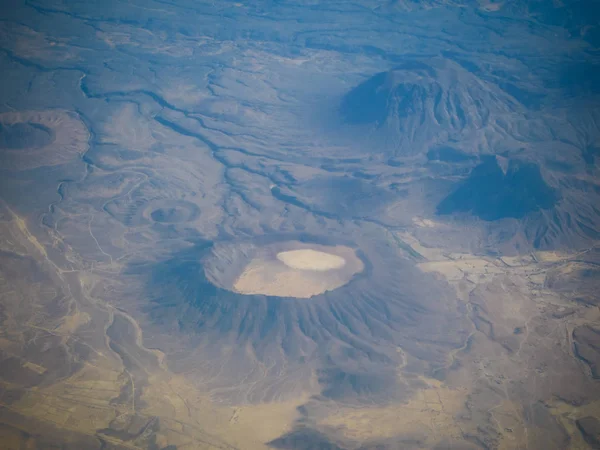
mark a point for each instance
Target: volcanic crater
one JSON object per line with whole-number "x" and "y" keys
{"x": 289, "y": 269}
{"x": 31, "y": 139}
{"x": 301, "y": 305}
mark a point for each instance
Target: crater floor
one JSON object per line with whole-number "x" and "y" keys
{"x": 298, "y": 272}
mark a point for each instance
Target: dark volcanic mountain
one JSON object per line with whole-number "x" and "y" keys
{"x": 491, "y": 194}
{"x": 522, "y": 206}
{"x": 420, "y": 103}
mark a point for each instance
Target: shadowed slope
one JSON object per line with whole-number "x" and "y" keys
{"x": 490, "y": 194}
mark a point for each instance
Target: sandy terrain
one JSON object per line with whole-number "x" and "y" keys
{"x": 311, "y": 260}
{"x": 298, "y": 272}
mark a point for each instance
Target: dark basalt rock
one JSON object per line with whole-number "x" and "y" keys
{"x": 491, "y": 194}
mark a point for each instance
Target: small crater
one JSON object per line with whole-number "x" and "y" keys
{"x": 25, "y": 135}
{"x": 169, "y": 211}
{"x": 169, "y": 215}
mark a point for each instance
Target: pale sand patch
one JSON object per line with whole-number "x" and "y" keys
{"x": 294, "y": 270}
{"x": 35, "y": 367}
{"x": 550, "y": 256}
{"x": 308, "y": 259}
{"x": 431, "y": 413}
{"x": 262, "y": 277}
{"x": 72, "y": 322}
